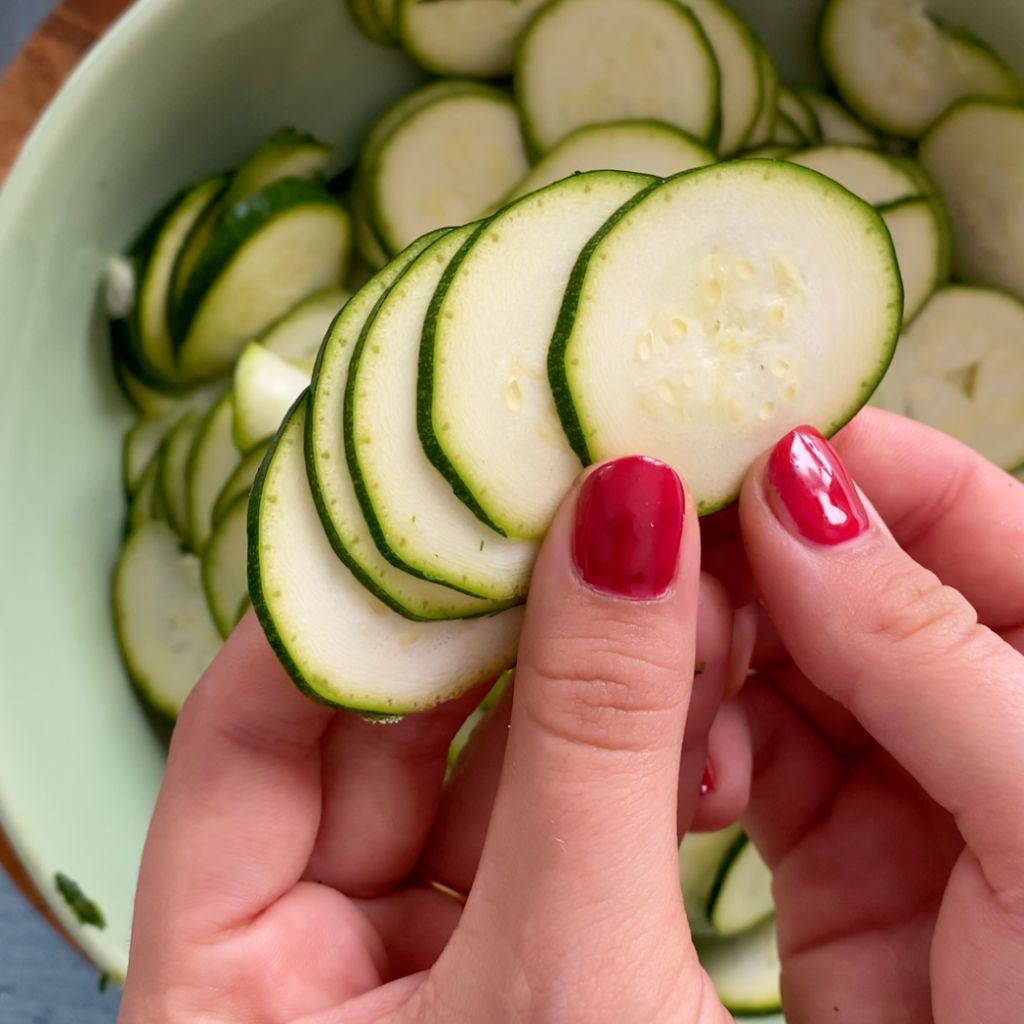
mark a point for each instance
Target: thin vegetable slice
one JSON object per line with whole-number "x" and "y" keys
{"x": 224, "y": 567}
{"x": 266, "y": 387}
{"x": 745, "y": 970}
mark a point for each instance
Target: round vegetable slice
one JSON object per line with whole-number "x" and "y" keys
{"x": 836, "y": 122}
{"x": 878, "y": 178}
{"x": 587, "y": 61}
{"x": 265, "y": 388}
{"x": 745, "y": 970}
{"x": 223, "y": 567}
{"x": 920, "y": 234}
{"x": 717, "y": 312}
{"x": 339, "y": 643}
{"x": 742, "y": 895}
{"x": 212, "y": 460}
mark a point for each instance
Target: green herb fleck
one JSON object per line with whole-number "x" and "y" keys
{"x": 81, "y": 906}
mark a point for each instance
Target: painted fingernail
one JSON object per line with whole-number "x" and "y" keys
{"x": 629, "y": 523}
{"x": 811, "y": 492}
{"x": 707, "y": 782}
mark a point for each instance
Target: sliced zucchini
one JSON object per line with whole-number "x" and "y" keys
{"x": 791, "y": 104}
{"x": 193, "y": 247}
{"x": 143, "y": 505}
{"x": 152, "y": 329}
{"x": 212, "y": 460}
{"x": 367, "y": 241}
{"x": 975, "y": 155}
{"x": 737, "y": 55}
{"x": 588, "y": 61}
{"x": 286, "y": 154}
{"x": 145, "y": 397}
{"x": 417, "y": 522}
{"x": 878, "y": 178}
{"x": 333, "y": 490}
{"x": 379, "y": 662}
{"x": 224, "y": 575}
{"x": 266, "y": 387}
{"x": 959, "y": 367}
{"x": 701, "y": 856}
{"x": 921, "y": 236}
{"x": 240, "y": 482}
{"x": 787, "y": 133}
{"x": 646, "y": 147}
{"x": 173, "y": 471}
{"x": 769, "y": 151}
{"x": 141, "y": 444}
{"x": 475, "y": 38}
{"x": 386, "y": 15}
{"x": 745, "y": 970}
{"x": 269, "y": 252}
{"x": 463, "y": 736}
{"x": 365, "y": 18}
{"x": 298, "y": 335}
{"x": 741, "y": 897}
{"x": 720, "y": 310}
{"x": 446, "y": 163}
{"x": 164, "y": 629}
{"x": 899, "y": 70}
{"x": 487, "y": 419}
{"x": 771, "y": 84}
{"x": 836, "y": 122}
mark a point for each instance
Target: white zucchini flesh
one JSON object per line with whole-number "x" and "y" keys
{"x": 701, "y": 855}
{"x": 975, "y": 155}
{"x": 920, "y": 234}
{"x": 959, "y": 367}
{"x": 899, "y": 70}
{"x": 333, "y": 490}
{"x": 266, "y": 387}
{"x": 745, "y": 970}
{"x": 721, "y": 310}
{"x": 339, "y": 642}
{"x": 447, "y": 163}
{"x": 415, "y": 518}
{"x": 300, "y": 251}
{"x": 141, "y": 444}
{"x": 213, "y": 458}
{"x": 764, "y": 126}
{"x": 286, "y": 154}
{"x": 587, "y": 61}
{"x": 836, "y": 122}
{"x": 644, "y": 147}
{"x": 297, "y": 336}
{"x": 143, "y": 505}
{"x": 487, "y": 417}
{"x": 475, "y": 38}
{"x": 739, "y": 65}
{"x": 224, "y": 567}
{"x": 240, "y": 482}
{"x": 878, "y": 178}
{"x": 154, "y": 288}
{"x": 742, "y": 896}
{"x": 173, "y": 481}
{"x": 792, "y": 105}
{"x": 164, "y": 628}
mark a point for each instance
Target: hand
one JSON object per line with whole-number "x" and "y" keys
{"x": 279, "y": 882}
{"x": 888, "y": 747}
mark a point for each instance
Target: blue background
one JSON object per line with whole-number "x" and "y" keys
{"x": 41, "y": 980}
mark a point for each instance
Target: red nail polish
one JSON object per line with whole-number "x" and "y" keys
{"x": 707, "y": 782}
{"x": 811, "y": 492}
{"x": 629, "y": 522}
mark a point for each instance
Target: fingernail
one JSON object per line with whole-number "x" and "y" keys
{"x": 707, "y": 782}
{"x": 811, "y": 492}
{"x": 629, "y": 522}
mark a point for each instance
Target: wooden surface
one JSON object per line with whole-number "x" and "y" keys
{"x": 29, "y": 84}
{"x": 38, "y": 71}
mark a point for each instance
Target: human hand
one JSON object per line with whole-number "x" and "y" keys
{"x": 888, "y": 745}
{"x": 279, "y": 882}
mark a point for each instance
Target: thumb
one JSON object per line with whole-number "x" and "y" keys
{"x": 881, "y": 635}
{"x": 580, "y": 864}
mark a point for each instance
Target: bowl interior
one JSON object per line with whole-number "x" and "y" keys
{"x": 178, "y": 89}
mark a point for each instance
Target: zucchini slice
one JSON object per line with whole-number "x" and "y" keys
{"x": 701, "y": 856}
{"x": 143, "y": 505}
{"x": 837, "y": 124}
{"x": 475, "y": 38}
{"x": 899, "y": 70}
{"x": 141, "y": 444}
{"x": 211, "y": 462}
{"x": 878, "y": 178}
{"x": 331, "y": 483}
{"x": 745, "y": 970}
{"x": 240, "y": 482}
{"x": 339, "y": 643}
{"x": 720, "y": 310}
{"x": 771, "y": 84}
{"x": 800, "y": 114}
{"x": 269, "y": 252}
{"x": 645, "y": 147}
{"x": 975, "y": 155}
{"x": 741, "y": 897}
{"x": 365, "y": 18}
{"x": 739, "y": 65}
{"x": 920, "y": 233}
{"x": 448, "y": 162}
{"x": 418, "y": 523}
{"x": 487, "y": 419}
{"x": 265, "y": 389}
{"x": 959, "y": 367}
{"x": 385, "y": 14}
{"x": 298, "y": 335}
{"x": 588, "y": 61}
{"x": 787, "y": 133}
{"x": 164, "y": 629}
{"x": 286, "y": 154}
{"x": 223, "y": 567}
{"x": 173, "y": 482}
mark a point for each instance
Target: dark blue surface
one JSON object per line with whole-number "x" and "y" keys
{"x": 42, "y": 981}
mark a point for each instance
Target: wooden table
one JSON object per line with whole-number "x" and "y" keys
{"x": 29, "y": 84}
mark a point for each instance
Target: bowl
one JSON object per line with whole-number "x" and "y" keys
{"x": 177, "y": 89}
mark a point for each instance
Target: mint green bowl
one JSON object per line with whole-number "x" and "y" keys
{"x": 179, "y": 88}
